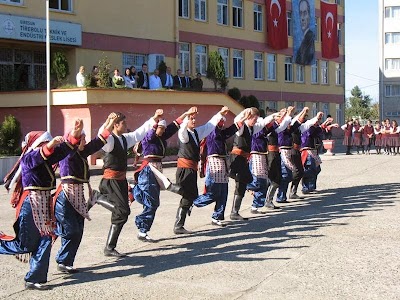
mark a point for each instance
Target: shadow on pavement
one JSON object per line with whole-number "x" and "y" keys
{"x": 241, "y": 241}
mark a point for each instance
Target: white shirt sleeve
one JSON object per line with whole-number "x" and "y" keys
{"x": 343, "y": 127}
{"x": 183, "y": 134}
{"x": 206, "y": 129}
{"x": 284, "y": 124}
{"x": 131, "y": 137}
{"x": 307, "y": 125}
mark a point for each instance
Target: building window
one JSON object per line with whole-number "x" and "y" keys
{"x": 338, "y": 2}
{"x": 200, "y": 9}
{"x": 133, "y": 59}
{"x": 300, "y": 73}
{"x": 338, "y": 74}
{"x": 316, "y": 30}
{"x": 299, "y": 106}
{"x": 324, "y": 72}
{"x": 272, "y": 105}
{"x": 201, "y": 59}
{"x": 339, "y": 113}
{"x": 224, "y": 52}
{"x": 392, "y": 12}
{"x": 315, "y": 108}
{"x": 392, "y": 90}
{"x": 392, "y": 64}
{"x": 289, "y": 23}
{"x": 184, "y": 56}
{"x": 289, "y": 69}
{"x": 237, "y": 63}
{"x": 314, "y": 72}
{"x": 27, "y": 68}
{"x": 271, "y": 58}
{"x": 237, "y": 13}
{"x": 339, "y": 33}
{"x": 184, "y": 9}
{"x": 325, "y": 109}
{"x": 222, "y": 12}
{"x": 64, "y": 5}
{"x": 12, "y": 1}
{"x": 258, "y": 24}
{"x": 392, "y": 38}
{"x": 258, "y": 66}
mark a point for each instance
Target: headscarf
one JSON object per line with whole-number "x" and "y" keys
{"x": 32, "y": 140}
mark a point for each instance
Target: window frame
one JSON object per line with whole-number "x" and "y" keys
{"x": 225, "y": 58}
{"x": 237, "y": 14}
{"x": 300, "y": 74}
{"x": 269, "y": 64}
{"x": 221, "y": 9}
{"x": 238, "y": 64}
{"x": 314, "y": 72}
{"x": 258, "y": 17}
{"x": 258, "y": 66}
{"x": 338, "y": 74}
{"x": 198, "y": 12}
{"x": 181, "y": 57}
{"x": 182, "y": 9}
{"x": 203, "y": 57}
{"x": 289, "y": 23}
{"x": 288, "y": 69}
{"x": 60, "y": 5}
{"x": 324, "y": 72}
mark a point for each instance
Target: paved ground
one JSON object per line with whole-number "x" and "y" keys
{"x": 342, "y": 243}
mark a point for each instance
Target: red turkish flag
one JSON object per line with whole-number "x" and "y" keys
{"x": 329, "y": 38}
{"x": 277, "y": 35}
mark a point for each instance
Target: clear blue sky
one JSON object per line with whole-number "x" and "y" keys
{"x": 362, "y": 61}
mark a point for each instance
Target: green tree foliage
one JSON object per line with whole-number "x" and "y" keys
{"x": 60, "y": 67}
{"x": 360, "y": 106}
{"x": 10, "y": 136}
{"x": 104, "y": 72}
{"x": 234, "y": 93}
{"x": 216, "y": 69}
{"x": 253, "y": 101}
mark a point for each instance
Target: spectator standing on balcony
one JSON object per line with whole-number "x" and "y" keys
{"x": 143, "y": 80}
{"x": 197, "y": 83}
{"x": 80, "y": 77}
{"x": 155, "y": 81}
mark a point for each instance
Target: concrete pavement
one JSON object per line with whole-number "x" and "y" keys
{"x": 341, "y": 243}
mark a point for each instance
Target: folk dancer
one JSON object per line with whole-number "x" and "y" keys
{"x": 114, "y": 184}
{"x": 34, "y": 178}
{"x": 188, "y": 158}
{"x": 216, "y": 172}
{"x": 147, "y": 189}
{"x": 71, "y": 208}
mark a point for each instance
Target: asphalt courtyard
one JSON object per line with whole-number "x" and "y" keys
{"x": 340, "y": 243}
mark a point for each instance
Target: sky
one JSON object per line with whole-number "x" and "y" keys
{"x": 361, "y": 42}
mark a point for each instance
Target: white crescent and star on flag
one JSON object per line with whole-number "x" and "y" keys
{"x": 328, "y": 16}
{"x": 275, "y": 2}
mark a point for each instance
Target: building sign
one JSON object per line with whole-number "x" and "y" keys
{"x": 34, "y": 30}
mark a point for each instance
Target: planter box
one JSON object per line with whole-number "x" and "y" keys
{"x": 6, "y": 163}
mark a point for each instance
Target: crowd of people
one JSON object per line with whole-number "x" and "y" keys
{"x": 268, "y": 155}
{"x": 384, "y": 136}
{"x": 132, "y": 79}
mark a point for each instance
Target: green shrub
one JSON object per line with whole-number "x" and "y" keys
{"x": 10, "y": 136}
{"x": 60, "y": 67}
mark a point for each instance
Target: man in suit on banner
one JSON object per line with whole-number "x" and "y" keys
{"x": 305, "y": 53}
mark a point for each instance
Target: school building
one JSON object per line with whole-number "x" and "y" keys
{"x": 182, "y": 33}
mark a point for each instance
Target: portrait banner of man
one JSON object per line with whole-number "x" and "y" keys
{"x": 304, "y": 30}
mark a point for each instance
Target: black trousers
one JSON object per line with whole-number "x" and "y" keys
{"x": 274, "y": 166}
{"x": 187, "y": 179}
{"x": 117, "y": 194}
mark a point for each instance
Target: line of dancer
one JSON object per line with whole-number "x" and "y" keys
{"x": 268, "y": 154}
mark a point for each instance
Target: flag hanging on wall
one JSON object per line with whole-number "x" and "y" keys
{"x": 277, "y": 35}
{"x": 329, "y": 38}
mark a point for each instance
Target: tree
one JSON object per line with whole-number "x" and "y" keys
{"x": 359, "y": 106}
{"x": 216, "y": 69}
{"x": 162, "y": 67}
{"x": 60, "y": 67}
{"x": 10, "y": 136}
{"x": 234, "y": 93}
{"x": 104, "y": 72}
{"x": 253, "y": 101}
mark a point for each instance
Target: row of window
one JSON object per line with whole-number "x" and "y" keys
{"x": 63, "y": 5}
{"x": 260, "y": 69}
{"x": 223, "y": 16}
{"x": 392, "y": 90}
{"x": 392, "y": 64}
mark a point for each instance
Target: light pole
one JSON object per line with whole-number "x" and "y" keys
{"x": 48, "y": 64}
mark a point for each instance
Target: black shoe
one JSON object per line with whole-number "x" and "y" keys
{"x": 36, "y": 286}
{"x": 113, "y": 253}
{"x": 218, "y": 223}
{"x": 281, "y": 201}
{"x": 66, "y": 269}
{"x": 181, "y": 230}
{"x": 237, "y": 217}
